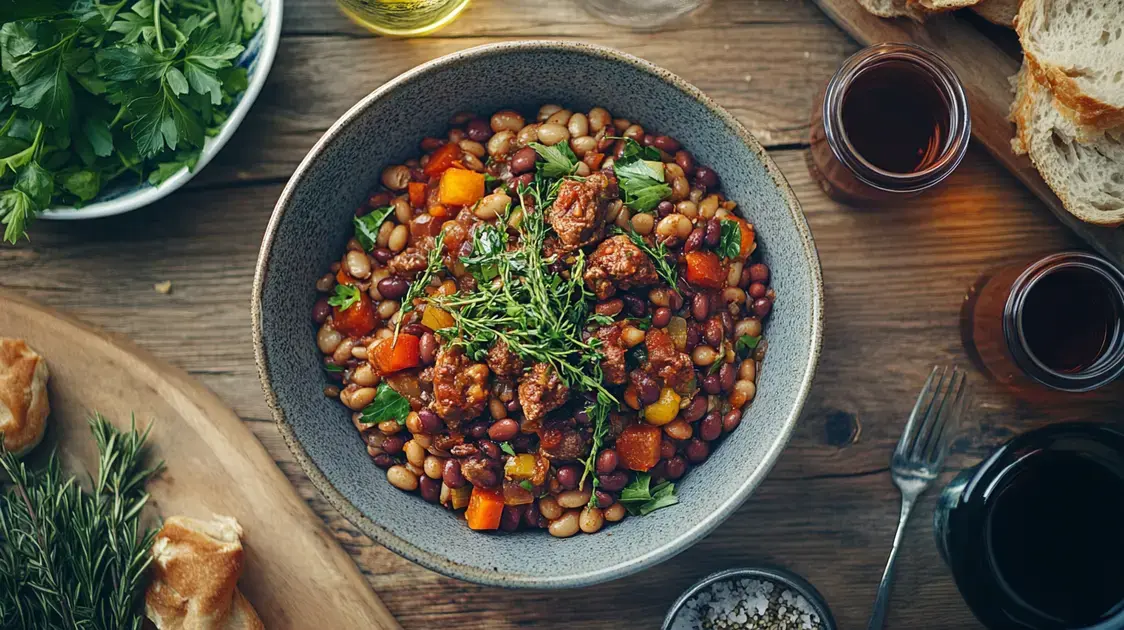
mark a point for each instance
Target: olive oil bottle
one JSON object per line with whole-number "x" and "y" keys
{"x": 402, "y": 18}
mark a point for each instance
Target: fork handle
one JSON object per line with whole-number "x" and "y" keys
{"x": 881, "y": 604}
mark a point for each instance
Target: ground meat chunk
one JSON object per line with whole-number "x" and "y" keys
{"x": 578, "y": 213}
{"x": 612, "y": 351}
{"x": 480, "y": 472}
{"x": 460, "y": 387}
{"x": 618, "y": 264}
{"x": 504, "y": 362}
{"x": 673, "y": 366}
{"x": 559, "y": 440}
{"x": 409, "y": 263}
{"x": 541, "y": 391}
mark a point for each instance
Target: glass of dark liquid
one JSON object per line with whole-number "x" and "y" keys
{"x": 1034, "y": 535}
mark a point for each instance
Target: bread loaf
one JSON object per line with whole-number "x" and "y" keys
{"x": 892, "y": 8}
{"x": 1001, "y": 12}
{"x": 23, "y": 396}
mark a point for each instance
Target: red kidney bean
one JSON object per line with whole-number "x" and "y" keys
{"x": 379, "y": 199}
{"x": 607, "y": 461}
{"x": 665, "y": 208}
{"x": 531, "y": 514}
{"x": 637, "y": 307}
{"x": 430, "y": 422}
{"x": 582, "y": 417}
{"x": 659, "y": 471}
{"x": 761, "y": 307}
{"x": 727, "y": 323}
{"x": 614, "y": 481}
{"x": 711, "y": 426}
{"x": 667, "y": 449}
{"x": 700, "y": 307}
{"x": 714, "y": 332}
{"x": 693, "y": 335}
{"x": 384, "y": 461}
{"x": 685, "y": 288}
{"x": 727, "y": 374}
{"x": 674, "y": 300}
{"x": 647, "y": 140}
{"x": 417, "y": 174}
{"x": 511, "y": 516}
{"x": 382, "y": 255}
{"x": 612, "y": 307}
{"x": 478, "y": 130}
{"x": 452, "y": 475}
{"x": 604, "y": 499}
{"x": 321, "y": 311}
{"x": 697, "y": 451}
{"x": 427, "y": 348}
{"x": 713, "y": 233}
{"x": 685, "y": 161}
{"x": 696, "y": 409}
{"x": 665, "y": 143}
{"x": 694, "y": 240}
{"x": 706, "y": 177}
{"x": 431, "y": 144}
{"x": 416, "y": 330}
{"x": 490, "y": 449}
{"x": 661, "y": 318}
{"x": 523, "y": 161}
{"x": 567, "y": 476}
{"x": 430, "y": 489}
{"x": 477, "y": 430}
{"x": 393, "y": 287}
{"x": 503, "y": 430}
{"x": 647, "y": 389}
{"x": 676, "y": 467}
{"x": 756, "y": 290}
{"x": 731, "y": 420}
{"x": 393, "y": 444}
{"x": 525, "y": 180}
{"x": 512, "y": 405}
{"x": 712, "y": 385}
{"x": 759, "y": 272}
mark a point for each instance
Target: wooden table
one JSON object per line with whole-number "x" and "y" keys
{"x": 895, "y": 278}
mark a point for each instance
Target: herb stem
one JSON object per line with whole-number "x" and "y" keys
{"x": 156, "y": 25}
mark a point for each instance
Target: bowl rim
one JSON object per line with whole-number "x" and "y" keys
{"x": 436, "y": 562}
{"x": 271, "y": 39}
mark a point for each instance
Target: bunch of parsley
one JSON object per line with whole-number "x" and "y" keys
{"x": 100, "y": 90}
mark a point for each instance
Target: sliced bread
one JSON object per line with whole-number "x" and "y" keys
{"x": 937, "y": 6}
{"x": 892, "y": 8}
{"x": 1076, "y": 48}
{"x": 1001, "y": 12}
{"x": 1088, "y": 178}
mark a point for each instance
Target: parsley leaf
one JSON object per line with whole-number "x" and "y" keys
{"x": 640, "y": 174}
{"x": 643, "y": 323}
{"x": 507, "y": 448}
{"x": 387, "y": 405}
{"x": 526, "y": 485}
{"x": 367, "y": 226}
{"x": 746, "y": 344}
{"x": 557, "y": 160}
{"x": 640, "y": 500}
{"x": 730, "y": 241}
{"x": 345, "y": 297}
{"x": 600, "y": 320}
{"x": 488, "y": 243}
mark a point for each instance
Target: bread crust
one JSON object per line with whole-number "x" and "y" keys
{"x": 24, "y": 406}
{"x": 1001, "y": 12}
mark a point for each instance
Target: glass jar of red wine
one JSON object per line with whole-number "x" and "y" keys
{"x": 1033, "y": 534}
{"x": 1051, "y": 324}
{"x": 892, "y": 122}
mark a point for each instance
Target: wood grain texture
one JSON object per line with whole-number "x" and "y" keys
{"x": 294, "y": 570}
{"x": 894, "y": 276}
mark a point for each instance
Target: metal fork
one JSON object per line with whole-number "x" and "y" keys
{"x": 918, "y": 458}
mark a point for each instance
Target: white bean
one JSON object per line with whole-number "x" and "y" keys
{"x": 574, "y": 498}
{"x": 564, "y": 526}
{"x": 491, "y": 206}
{"x": 398, "y": 237}
{"x": 358, "y": 265}
{"x": 328, "y": 339}
{"x": 400, "y": 477}
{"x": 591, "y": 520}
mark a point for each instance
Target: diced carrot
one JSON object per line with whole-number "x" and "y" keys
{"x": 435, "y": 318}
{"x": 442, "y": 159}
{"x": 417, "y": 194}
{"x": 438, "y": 211}
{"x": 639, "y": 446}
{"x": 484, "y": 509}
{"x": 461, "y": 187}
{"x": 704, "y": 269}
{"x": 392, "y": 356}
{"x": 356, "y": 320}
{"x": 748, "y": 237}
{"x": 343, "y": 278}
{"x": 593, "y": 160}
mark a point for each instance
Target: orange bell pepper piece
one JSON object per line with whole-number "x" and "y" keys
{"x": 343, "y": 278}
{"x": 417, "y": 194}
{"x": 638, "y": 446}
{"x": 357, "y": 320}
{"x": 484, "y": 509}
{"x": 461, "y": 187}
{"x": 705, "y": 270}
{"x": 442, "y": 159}
{"x": 438, "y": 211}
{"x": 392, "y": 356}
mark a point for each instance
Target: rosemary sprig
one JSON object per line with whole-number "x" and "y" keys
{"x": 72, "y": 558}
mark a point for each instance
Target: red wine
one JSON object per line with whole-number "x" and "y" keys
{"x": 1068, "y": 319}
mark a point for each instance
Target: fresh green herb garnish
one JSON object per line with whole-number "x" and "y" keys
{"x": 526, "y": 485}
{"x": 746, "y": 344}
{"x": 507, "y": 448}
{"x": 730, "y": 242}
{"x": 599, "y": 417}
{"x": 640, "y": 174}
{"x": 643, "y": 323}
{"x": 345, "y": 297}
{"x": 600, "y": 320}
{"x": 367, "y": 226}
{"x": 333, "y": 368}
{"x": 557, "y": 160}
{"x": 639, "y": 500}
{"x": 659, "y": 255}
{"x": 433, "y": 265}
{"x": 488, "y": 243}
{"x": 387, "y": 405}
{"x": 74, "y": 558}
{"x": 98, "y": 90}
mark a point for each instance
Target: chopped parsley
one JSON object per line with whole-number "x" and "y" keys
{"x": 367, "y": 226}
{"x": 333, "y": 368}
{"x": 640, "y": 175}
{"x": 488, "y": 243}
{"x": 730, "y": 242}
{"x": 387, "y": 405}
{"x": 557, "y": 160}
{"x": 345, "y": 297}
{"x": 526, "y": 485}
{"x": 507, "y": 448}
{"x": 640, "y": 500}
{"x": 746, "y": 344}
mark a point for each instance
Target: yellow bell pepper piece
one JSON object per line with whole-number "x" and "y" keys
{"x": 459, "y": 497}
{"x": 520, "y": 467}
{"x": 435, "y": 319}
{"x": 663, "y": 410}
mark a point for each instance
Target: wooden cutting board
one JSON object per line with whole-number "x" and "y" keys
{"x": 983, "y": 67}
{"x": 296, "y": 575}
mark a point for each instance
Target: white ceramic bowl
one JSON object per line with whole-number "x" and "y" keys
{"x": 119, "y": 198}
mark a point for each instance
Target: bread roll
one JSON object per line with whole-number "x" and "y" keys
{"x": 23, "y": 396}
{"x": 195, "y": 570}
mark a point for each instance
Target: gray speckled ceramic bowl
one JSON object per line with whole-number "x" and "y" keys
{"x": 312, "y": 222}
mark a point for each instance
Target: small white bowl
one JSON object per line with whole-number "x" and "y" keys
{"x": 257, "y": 59}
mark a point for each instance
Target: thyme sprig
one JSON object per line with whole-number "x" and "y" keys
{"x": 665, "y": 266}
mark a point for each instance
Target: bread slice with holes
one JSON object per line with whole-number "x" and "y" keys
{"x": 1001, "y": 12}
{"x": 1087, "y": 177}
{"x": 1076, "y": 49}
{"x": 892, "y": 8}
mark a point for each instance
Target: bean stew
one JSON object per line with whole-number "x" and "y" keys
{"x": 545, "y": 322}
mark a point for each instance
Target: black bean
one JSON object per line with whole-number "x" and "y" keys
{"x": 696, "y": 409}
{"x": 531, "y": 515}
{"x": 712, "y": 385}
{"x": 706, "y": 177}
{"x": 759, "y": 272}
{"x": 321, "y": 310}
{"x": 503, "y": 430}
{"x": 661, "y": 318}
{"x": 761, "y": 307}
{"x": 393, "y": 445}
{"x": 700, "y": 307}
{"x": 697, "y": 451}
{"x": 430, "y": 489}
{"x": 647, "y": 389}
{"x": 731, "y": 420}
{"x": 676, "y": 467}
{"x": 607, "y": 461}
{"x": 478, "y": 130}
{"x": 567, "y": 476}
{"x": 713, "y": 233}
{"x": 451, "y": 474}
{"x": 614, "y": 481}
{"x": 711, "y": 426}
{"x": 523, "y": 161}
{"x": 382, "y": 255}
{"x": 637, "y": 307}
